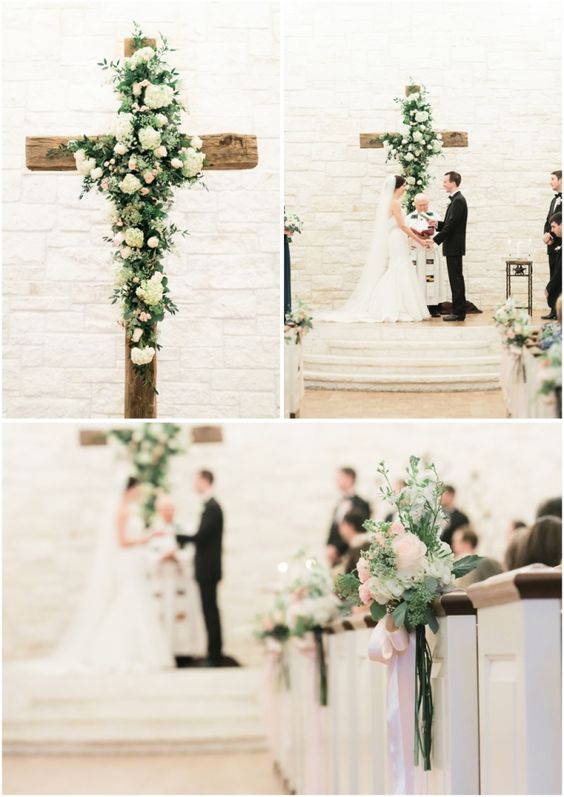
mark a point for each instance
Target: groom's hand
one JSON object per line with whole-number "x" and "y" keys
{"x": 547, "y": 238}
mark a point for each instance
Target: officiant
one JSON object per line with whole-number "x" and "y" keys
{"x": 428, "y": 262}
{"x": 208, "y": 572}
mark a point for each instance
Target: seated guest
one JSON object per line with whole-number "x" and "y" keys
{"x": 553, "y": 507}
{"x": 514, "y": 552}
{"x": 346, "y": 484}
{"x": 543, "y": 543}
{"x": 465, "y": 543}
{"x": 554, "y": 287}
{"x": 454, "y": 517}
{"x": 353, "y": 533}
{"x": 514, "y": 526}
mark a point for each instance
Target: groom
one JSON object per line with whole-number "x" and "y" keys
{"x": 208, "y": 562}
{"x": 452, "y": 234}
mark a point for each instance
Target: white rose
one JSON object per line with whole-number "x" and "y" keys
{"x": 120, "y": 148}
{"x": 196, "y": 142}
{"x": 130, "y": 184}
{"x": 149, "y": 138}
{"x": 86, "y": 166}
{"x": 421, "y": 116}
{"x": 158, "y": 96}
{"x": 153, "y": 242}
{"x": 410, "y": 554}
{"x": 161, "y": 120}
{"x": 95, "y": 174}
{"x": 143, "y": 54}
{"x": 176, "y": 163}
{"x": 161, "y": 152}
{"x": 79, "y": 156}
{"x": 132, "y": 164}
{"x": 409, "y": 156}
{"x": 142, "y": 356}
{"x": 157, "y": 276}
{"x": 417, "y": 136}
{"x": 125, "y": 252}
{"x": 119, "y": 238}
{"x": 137, "y": 334}
{"x": 136, "y": 89}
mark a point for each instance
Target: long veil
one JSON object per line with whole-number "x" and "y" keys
{"x": 73, "y": 653}
{"x": 376, "y": 261}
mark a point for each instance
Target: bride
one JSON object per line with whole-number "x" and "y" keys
{"x": 388, "y": 288}
{"x": 116, "y": 627}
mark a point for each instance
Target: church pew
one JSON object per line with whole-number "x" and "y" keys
{"x": 519, "y": 668}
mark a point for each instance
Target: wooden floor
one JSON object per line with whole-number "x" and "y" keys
{"x": 360, "y": 404}
{"x": 210, "y": 773}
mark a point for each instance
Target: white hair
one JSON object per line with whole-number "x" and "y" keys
{"x": 420, "y": 198}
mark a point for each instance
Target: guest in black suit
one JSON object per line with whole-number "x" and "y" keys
{"x": 554, "y": 287}
{"x": 452, "y": 234}
{"x": 550, "y": 240}
{"x": 455, "y": 518}
{"x": 353, "y": 533}
{"x": 208, "y": 562}
{"x": 346, "y": 483}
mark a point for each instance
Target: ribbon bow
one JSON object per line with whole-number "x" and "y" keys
{"x": 387, "y": 640}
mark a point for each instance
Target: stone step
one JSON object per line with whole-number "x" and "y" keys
{"x": 422, "y": 367}
{"x": 400, "y": 383}
{"x": 421, "y": 331}
{"x": 402, "y": 348}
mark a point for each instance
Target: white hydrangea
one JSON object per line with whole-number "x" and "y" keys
{"x": 130, "y": 184}
{"x": 123, "y": 128}
{"x": 143, "y": 54}
{"x": 151, "y": 291}
{"x": 142, "y": 356}
{"x": 193, "y": 162}
{"x": 149, "y": 138}
{"x": 134, "y": 237}
{"x": 196, "y": 142}
{"x": 158, "y": 96}
{"x": 421, "y": 116}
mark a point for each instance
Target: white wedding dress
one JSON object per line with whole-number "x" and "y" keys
{"x": 388, "y": 288}
{"x": 116, "y": 627}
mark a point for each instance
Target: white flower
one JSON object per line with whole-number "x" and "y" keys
{"x": 157, "y": 276}
{"x": 193, "y": 162}
{"x": 410, "y": 554}
{"x": 161, "y": 152}
{"x": 153, "y": 242}
{"x": 137, "y": 334}
{"x": 143, "y": 54}
{"x": 96, "y": 173}
{"x": 176, "y": 163}
{"x": 421, "y": 116}
{"x": 132, "y": 164}
{"x": 151, "y": 291}
{"x": 158, "y": 96}
{"x": 437, "y": 145}
{"x": 134, "y": 237}
{"x": 409, "y": 156}
{"x": 120, "y": 148}
{"x": 79, "y": 156}
{"x": 130, "y": 184}
{"x": 86, "y": 166}
{"x": 142, "y": 356}
{"x": 196, "y": 142}
{"x": 410, "y": 180}
{"x": 417, "y": 136}
{"x": 125, "y": 252}
{"x": 119, "y": 238}
{"x": 149, "y": 138}
{"x": 136, "y": 89}
{"x": 123, "y": 128}
{"x": 161, "y": 120}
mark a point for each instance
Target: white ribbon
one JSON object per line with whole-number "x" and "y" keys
{"x": 395, "y": 647}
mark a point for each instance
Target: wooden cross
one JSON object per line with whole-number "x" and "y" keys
{"x": 199, "y": 434}
{"x": 450, "y": 138}
{"x": 224, "y": 151}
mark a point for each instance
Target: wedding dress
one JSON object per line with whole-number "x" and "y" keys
{"x": 116, "y": 627}
{"x": 388, "y": 288}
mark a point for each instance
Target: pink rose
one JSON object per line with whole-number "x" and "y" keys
{"x": 365, "y": 595}
{"x": 396, "y": 528}
{"x": 144, "y": 191}
{"x": 410, "y": 553}
{"x": 148, "y": 177}
{"x": 363, "y": 569}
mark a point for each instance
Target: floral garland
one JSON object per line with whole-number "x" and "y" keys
{"x": 405, "y": 569}
{"x": 514, "y": 324}
{"x": 150, "y": 448}
{"x": 414, "y": 147}
{"x": 292, "y": 223}
{"x": 298, "y": 321}
{"x": 137, "y": 169}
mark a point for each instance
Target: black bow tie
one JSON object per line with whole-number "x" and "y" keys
{"x": 558, "y": 195}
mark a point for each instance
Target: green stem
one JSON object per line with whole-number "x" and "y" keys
{"x": 423, "y": 699}
{"x": 318, "y": 635}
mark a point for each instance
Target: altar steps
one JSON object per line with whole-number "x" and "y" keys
{"x": 402, "y": 357}
{"x": 186, "y": 711}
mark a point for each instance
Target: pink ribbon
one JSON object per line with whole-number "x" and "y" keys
{"x": 395, "y": 647}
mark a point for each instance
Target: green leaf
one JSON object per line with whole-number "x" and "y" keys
{"x": 466, "y": 565}
{"x": 431, "y": 583}
{"x": 432, "y": 621}
{"x": 400, "y": 613}
{"x": 377, "y": 611}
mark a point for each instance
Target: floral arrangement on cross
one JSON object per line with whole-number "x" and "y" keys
{"x": 415, "y": 146}
{"x": 405, "y": 569}
{"x": 137, "y": 168}
{"x": 149, "y": 449}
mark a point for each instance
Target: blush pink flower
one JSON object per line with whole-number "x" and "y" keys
{"x": 363, "y": 569}
{"x": 396, "y": 528}
{"x": 365, "y": 595}
{"x": 410, "y": 554}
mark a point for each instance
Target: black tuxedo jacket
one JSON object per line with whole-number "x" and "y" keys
{"x": 359, "y": 505}
{"x": 208, "y": 542}
{"x": 456, "y": 520}
{"x": 554, "y": 287}
{"x": 452, "y": 231}
{"x": 554, "y": 207}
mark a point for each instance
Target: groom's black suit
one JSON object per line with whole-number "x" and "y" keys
{"x": 452, "y": 234}
{"x": 208, "y": 571}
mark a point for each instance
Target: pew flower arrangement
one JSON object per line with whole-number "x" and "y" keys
{"x": 549, "y": 334}
{"x": 416, "y": 145}
{"x": 297, "y": 322}
{"x": 550, "y": 373}
{"x": 137, "y": 167}
{"x": 514, "y": 325}
{"x": 149, "y": 449}
{"x": 405, "y": 569}
{"x": 292, "y": 223}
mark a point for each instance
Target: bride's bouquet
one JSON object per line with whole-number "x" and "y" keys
{"x": 405, "y": 569}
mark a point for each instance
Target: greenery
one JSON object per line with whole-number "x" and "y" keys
{"x": 514, "y": 324}
{"x": 149, "y": 448}
{"x": 298, "y": 322}
{"x": 137, "y": 168}
{"x": 416, "y": 145}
